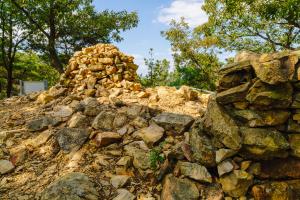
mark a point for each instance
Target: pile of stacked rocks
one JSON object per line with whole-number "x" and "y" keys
{"x": 254, "y": 124}
{"x": 102, "y": 65}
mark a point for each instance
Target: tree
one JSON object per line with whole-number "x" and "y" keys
{"x": 28, "y": 66}
{"x": 12, "y": 38}
{"x": 194, "y": 56}
{"x": 259, "y": 26}
{"x": 64, "y": 26}
{"x": 158, "y": 71}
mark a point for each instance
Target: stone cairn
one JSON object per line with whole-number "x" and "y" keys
{"x": 255, "y": 116}
{"x": 102, "y": 65}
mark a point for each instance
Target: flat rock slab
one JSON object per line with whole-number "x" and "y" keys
{"x": 71, "y": 186}
{"x": 174, "y": 122}
{"x": 71, "y": 139}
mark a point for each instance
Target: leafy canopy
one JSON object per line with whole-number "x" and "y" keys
{"x": 195, "y": 60}
{"x": 255, "y": 25}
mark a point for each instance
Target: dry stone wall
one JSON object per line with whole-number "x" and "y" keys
{"x": 255, "y": 116}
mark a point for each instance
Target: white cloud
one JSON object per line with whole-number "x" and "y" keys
{"x": 189, "y": 9}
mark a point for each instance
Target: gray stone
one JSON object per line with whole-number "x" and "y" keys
{"x": 119, "y": 120}
{"x": 91, "y": 106}
{"x": 225, "y": 167}
{"x": 41, "y": 124}
{"x": 71, "y": 139}
{"x": 151, "y": 134}
{"x": 219, "y": 124}
{"x": 222, "y": 154}
{"x": 171, "y": 121}
{"x": 78, "y": 120}
{"x": 62, "y": 113}
{"x": 141, "y": 158}
{"x": 201, "y": 148}
{"x": 6, "y": 166}
{"x": 124, "y": 195}
{"x": 74, "y": 185}
{"x": 139, "y": 122}
{"x": 194, "y": 171}
{"x": 179, "y": 189}
{"x": 119, "y": 181}
{"x": 104, "y": 121}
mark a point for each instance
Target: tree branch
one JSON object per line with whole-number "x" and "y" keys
{"x": 27, "y": 14}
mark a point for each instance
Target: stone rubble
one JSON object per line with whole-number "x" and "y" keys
{"x": 95, "y": 137}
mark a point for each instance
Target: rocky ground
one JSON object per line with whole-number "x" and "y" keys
{"x": 109, "y": 147}
{"x": 82, "y": 140}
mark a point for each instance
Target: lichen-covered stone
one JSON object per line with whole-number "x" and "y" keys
{"x": 264, "y": 96}
{"x": 178, "y": 189}
{"x": 264, "y": 143}
{"x": 236, "y": 183}
{"x": 71, "y": 186}
{"x": 256, "y": 118}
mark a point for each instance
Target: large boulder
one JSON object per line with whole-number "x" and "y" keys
{"x": 174, "y": 122}
{"x": 263, "y": 143}
{"x": 74, "y": 185}
{"x": 265, "y": 96}
{"x": 71, "y": 139}
{"x": 221, "y": 125}
{"x": 178, "y": 189}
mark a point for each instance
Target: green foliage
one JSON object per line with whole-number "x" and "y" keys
{"x": 156, "y": 156}
{"x": 62, "y": 26}
{"x": 195, "y": 60}
{"x": 158, "y": 71}
{"x": 259, "y": 26}
{"x": 28, "y": 66}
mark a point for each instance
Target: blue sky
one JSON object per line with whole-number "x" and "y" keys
{"x": 154, "y": 16}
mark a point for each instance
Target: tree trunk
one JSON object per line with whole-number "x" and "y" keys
{"x": 9, "y": 81}
{"x": 54, "y": 59}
